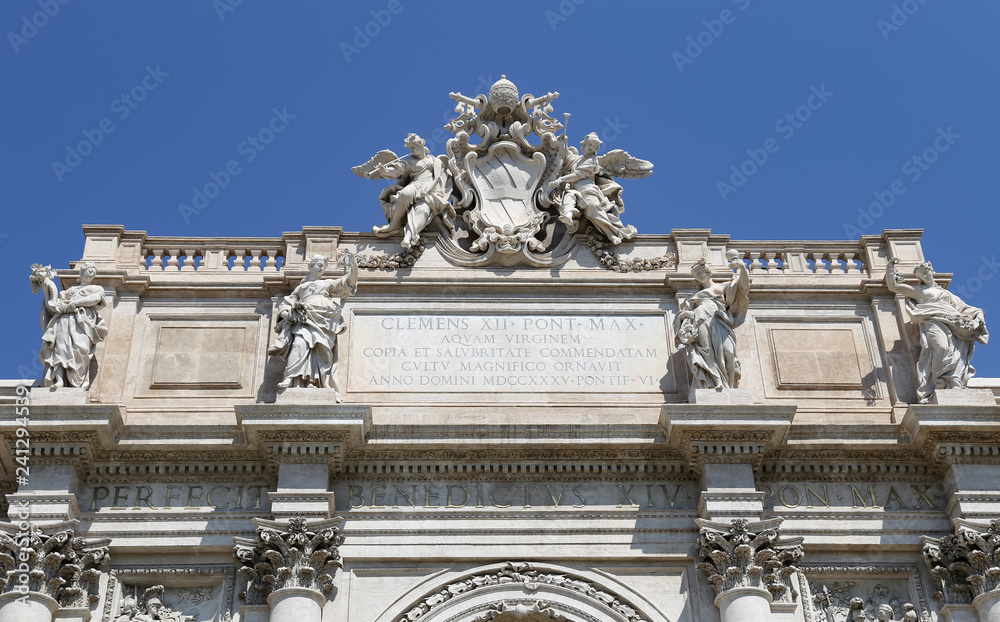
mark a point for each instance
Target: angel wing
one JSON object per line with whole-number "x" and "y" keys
{"x": 620, "y": 164}
{"x": 369, "y": 170}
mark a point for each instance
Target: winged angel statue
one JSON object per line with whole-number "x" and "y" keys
{"x": 422, "y": 191}
{"x": 586, "y": 187}
{"x": 521, "y": 190}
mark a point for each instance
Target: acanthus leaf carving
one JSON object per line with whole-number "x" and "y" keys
{"x": 60, "y": 565}
{"x": 965, "y": 564}
{"x": 748, "y": 554}
{"x": 292, "y": 553}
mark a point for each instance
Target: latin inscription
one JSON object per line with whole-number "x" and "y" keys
{"x": 524, "y": 353}
{"x": 883, "y": 496}
{"x": 216, "y": 496}
{"x": 516, "y": 495}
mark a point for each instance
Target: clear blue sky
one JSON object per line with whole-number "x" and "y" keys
{"x": 209, "y": 77}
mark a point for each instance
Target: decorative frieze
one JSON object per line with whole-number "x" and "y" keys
{"x": 289, "y": 554}
{"x": 965, "y": 564}
{"x": 58, "y": 565}
{"x": 744, "y": 554}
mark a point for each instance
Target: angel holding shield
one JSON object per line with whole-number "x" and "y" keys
{"x": 587, "y": 187}
{"x": 422, "y": 190}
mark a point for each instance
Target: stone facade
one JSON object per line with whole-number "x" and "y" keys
{"x": 514, "y": 442}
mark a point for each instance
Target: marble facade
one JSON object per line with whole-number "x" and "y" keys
{"x": 514, "y": 442}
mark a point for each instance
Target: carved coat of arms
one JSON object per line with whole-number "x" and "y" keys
{"x": 521, "y": 191}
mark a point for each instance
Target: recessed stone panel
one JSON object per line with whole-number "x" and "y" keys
{"x": 203, "y": 356}
{"x": 816, "y": 357}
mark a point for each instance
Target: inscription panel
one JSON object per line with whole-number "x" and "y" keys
{"x": 509, "y": 353}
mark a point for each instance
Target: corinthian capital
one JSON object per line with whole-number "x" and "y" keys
{"x": 58, "y": 565}
{"x": 289, "y": 553}
{"x": 965, "y": 564}
{"x": 748, "y": 554}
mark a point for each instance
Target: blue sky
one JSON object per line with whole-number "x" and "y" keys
{"x": 690, "y": 86}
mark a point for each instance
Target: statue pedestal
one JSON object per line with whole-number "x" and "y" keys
{"x": 960, "y": 397}
{"x": 72, "y": 396}
{"x": 725, "y": 396}
{"x": 306, "y": 395}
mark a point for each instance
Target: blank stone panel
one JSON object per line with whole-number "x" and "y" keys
{"x": 817, "y": 357}
{"x": 208, "y": 357}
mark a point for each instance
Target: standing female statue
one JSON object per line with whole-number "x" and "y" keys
{"x": 309, "y": 320}
{"x": 949, "y": 330}
{"x": 72, "y": 324}
{"x": 704, "y": 325}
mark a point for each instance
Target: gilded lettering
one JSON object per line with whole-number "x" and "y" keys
{"x": 649, "y": 496}
{"x": 781, "y": 497}
{"x": 98, "y": 497}
{"x": 493, "y": 499}
{"x": 767, "y": 493}
{"x": 824, "y": 498}
{"x": 211, "y": 492}
{"x": 411, "y": 498}
{"x": 430, "y": 496}
{"x": 118, "y": 497}
{"x": 378, "y": 496}
{"x": 194, "y": 497}
{"x": 579, "y": 495}
{"x": 356, "y": 492}
{"x": 260, "y": 490}
{"x": 894, "y": 496}
{"x": 527, "y": 499}
{"x": 671, "y": 498}
{"x": 139, "y": 497}
{"x": 555, "y": 499}
{"x": 922, "y": 496}
{"x": 858, "y": 497}
{"x": 626, "y": 496}
{"x": 479, "y": 496}
{"x": 450, "y": 499}
{"x": 171, "y": 496}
